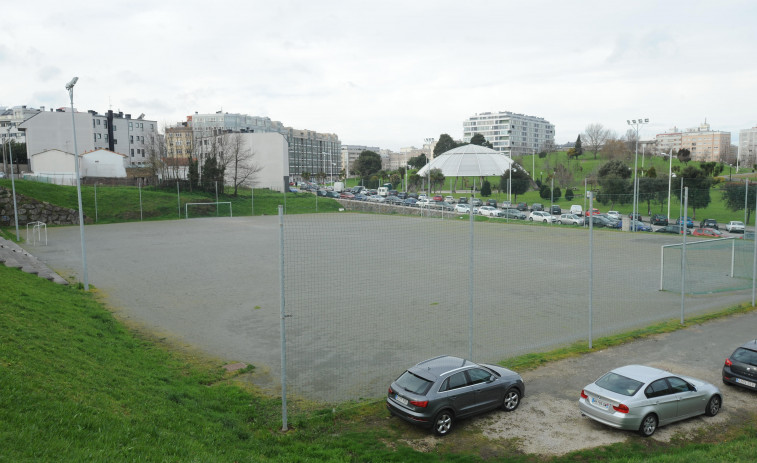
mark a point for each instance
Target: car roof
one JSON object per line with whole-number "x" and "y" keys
{"x": 436, "y": 367}
{"x": 751, "y": 345}
{"x": 642, "y": 372}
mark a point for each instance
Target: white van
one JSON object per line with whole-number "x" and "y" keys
{"x": 383, "y": 191}
{"x": 577, "y": 209}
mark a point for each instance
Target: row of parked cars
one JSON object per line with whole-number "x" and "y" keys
{"x": 437, "y": 392}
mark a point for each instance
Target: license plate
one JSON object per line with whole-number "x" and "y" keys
{"x": 599, "y": 403}
{"x": 401, "y": 400}
{"x": 745, "y": 382}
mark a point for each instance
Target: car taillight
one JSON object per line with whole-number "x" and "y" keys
{"x": 390, "y": 391}
{"x": 621, "y": 408}
{"x": 728, "y": 362}
{"x": 583, "y": 395}
{"x": 419, "y": 403}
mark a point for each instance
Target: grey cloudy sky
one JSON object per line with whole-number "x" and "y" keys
{"x": 391, "y": 73}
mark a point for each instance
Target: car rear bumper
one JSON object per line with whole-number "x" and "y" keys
{"x": 407, "y": 415}
{"x": 616, "y": 420}
{"x": 736, "y": 379}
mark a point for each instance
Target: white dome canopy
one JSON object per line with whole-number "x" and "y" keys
{"x": 469, "y": 161}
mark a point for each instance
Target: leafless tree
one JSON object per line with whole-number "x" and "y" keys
{"x": 563, "y": 176}
{"x": 615, "y": 149}
{"x": 237, "y": 160}
{"x": 594, "y": 137}
{"x": 156, "y": 153}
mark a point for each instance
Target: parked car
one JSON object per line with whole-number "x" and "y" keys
{"x": 462, "y": 200}
{"x": 594, "y": 211}
{"x": 710, "y": 232}
{"x": 402, "y": 195}
{"x": 577, "y": 209}
{"x": 392, "y": 199}
{"x": 740, "y": 368}
{"x": 490, "y": 211}
{"x": 636, "y": 225}
{"x": 476, "y": 202}
{"x": 569, "y": 219}
{"x": 464, "y": 208}
{"x": 514, "y": 214}
{"x": 438, "y": 198}
{"x": 614, "y": 215}
{"x": 450, "y": 199}
{"x": 636, "y": 216}
{"x": 423, "y": 202}
{"x": 735, "y": 226}
{"x": 601, "y": 222}
{"x": 522, "y": 207}
{"x": 410, "y": 202}
{"x": 541, "y": 216}
{"x": 689, "y": 222}
{"x": 709, "y": 223}
{"x": 658, "y": 219}
{"x": 443, "y": 205}
{"x": 346, "y": 195}
{"x": 672, "y": 229}
{"x": 506, "y": 205}
{"x": 333, "y": 194}
{"x": 412, "y": 195}
{"x": 437, "y": 392}
{"x": 537, "y": 207}
{"x": 555, "y": 210}
{"x": 642, "y": 398}
{"x": 360, "y": 197}
{"x": 376, "y": 199}
{"x": 491, "y": 202}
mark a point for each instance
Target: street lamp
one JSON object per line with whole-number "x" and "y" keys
{"x": 70, "y": 88}
{"x": 636, "y": 123}
{"x": 13, "y": 183}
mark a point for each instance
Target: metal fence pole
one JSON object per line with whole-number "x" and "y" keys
{"x": 252, "y": 201}
{"x": 95, "y": 202}
{"x": 591, "y": 268}
{"x": 178, "y": 198}
{"x": 470, "y": 286}
{"x": 683, "y": 248}
{"x": 283, "y": 324}
{"x": 754, "y": 263}
{"x": 140, "y": 199}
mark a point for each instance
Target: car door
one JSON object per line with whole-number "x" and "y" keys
{"x": 488, "y": 393}
{"x": 662, "y": 401}
{"x": 459, "y": 393}
{"x": 690, "y": 401}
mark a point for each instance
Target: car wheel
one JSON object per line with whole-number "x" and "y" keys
{"x": 648, "y": 425}
{"x": 443, "y": 423}
{"x": 545, "y": 220}
{"x": 713, "y": 406}
{"x": 511, "y": 400}
{"x": 531, "y": 219}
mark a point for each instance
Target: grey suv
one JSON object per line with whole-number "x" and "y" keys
{"x": 437, "y": 392}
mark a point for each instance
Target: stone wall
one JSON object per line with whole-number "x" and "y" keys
{"x": 31, "y": 210}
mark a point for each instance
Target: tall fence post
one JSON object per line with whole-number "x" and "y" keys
{"x": 178, "y": 198}
{"x": 470, "y": 286}
{"x": 591, "y": 267}
{"x": 140, "y": 199}
{"x": 283, "y": 324}
{"x": 685, "y": 224}
{"x": 754, "y": 263}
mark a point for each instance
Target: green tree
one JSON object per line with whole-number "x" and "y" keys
{"x": 480, "y": 140}
{"x": 569, "y": 194}
{"x": 733, "y": 197}
{"x": 571, "y": 153}
{"x": 521, "y": 181}
{"x": 444, "y": 144}
{"x": 417, "y": 162}
{"x": 545, "y": 192}
{"x": 367, "y": 164}
{"x": 486, "y": 189}
{"x": 557, "y": 193}
{"x": 194, "y": 174}
{"x": 650, "y": 189}
{"x": 613, "y": 179}
{"x": 306, "y": 176}
{"x": 212, "y": 174}
{"x": 436, "y": 178}
{"x": 699, "y": 184}
{"x": 684, "y": 155}
{"x": 578, "y": 148}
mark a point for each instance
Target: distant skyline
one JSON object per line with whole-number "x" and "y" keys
{"x": 389, "y": 73}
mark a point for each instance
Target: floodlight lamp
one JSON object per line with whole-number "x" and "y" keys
{"x": 634, "y": 121}
{"x": 646, "y": 120}
{"x": 71, "y": 84}
{"x": 629, "y": 122}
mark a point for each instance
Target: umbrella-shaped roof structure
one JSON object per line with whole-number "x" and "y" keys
{"x": 469, "y": 161}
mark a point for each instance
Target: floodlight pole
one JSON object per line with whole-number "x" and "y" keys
{"x": 13, "y": 184}
{"x": 670, "y": 180}
{"x": 636, "y": 123}
{"x": 70, "y": 88}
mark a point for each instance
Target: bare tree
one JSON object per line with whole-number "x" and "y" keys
{"x": 563, "y": 176}
{"x": 237, "y": 159}
{"x": 594, "y": 137}
{"x": 615, "y": 149}
{"x": 156, "y": 153}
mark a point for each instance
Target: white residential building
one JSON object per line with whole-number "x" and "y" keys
{"x": 11, "y": 118}
{"x": 748, "y": 147}
{"x": 705, "y": 145}
{"x": 511, "y": 133}
{"x": 350, "y": 153}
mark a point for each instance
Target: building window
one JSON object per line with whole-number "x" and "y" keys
{"x": 132, "y": 152}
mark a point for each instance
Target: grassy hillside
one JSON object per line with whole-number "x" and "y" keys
{"x": 122, "y": 204}
{"x": 76, "y": 385}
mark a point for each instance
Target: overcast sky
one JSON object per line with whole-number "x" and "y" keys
{"x": 390, "y": 74}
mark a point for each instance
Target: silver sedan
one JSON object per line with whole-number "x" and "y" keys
{"x": 642, "y": 398}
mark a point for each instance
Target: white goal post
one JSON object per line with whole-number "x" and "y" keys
{"x": 186, "y": 207}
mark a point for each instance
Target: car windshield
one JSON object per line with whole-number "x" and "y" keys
{"x": 413, "y": 383}
{"x": 745, "y": 356}
{"x": 619, "y": 384}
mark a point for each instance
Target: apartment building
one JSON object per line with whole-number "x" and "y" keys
{"x": 11, "y": 118}
{"x": 137, "y": 139}
{"x": 747, "y": 152}
{"x": 510, "y": 133}
{"x": 309, "y": 151}
{"x": 179, "y": 141}
{"x": 705, "y": 144}
{"x": 350, "y": 153}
